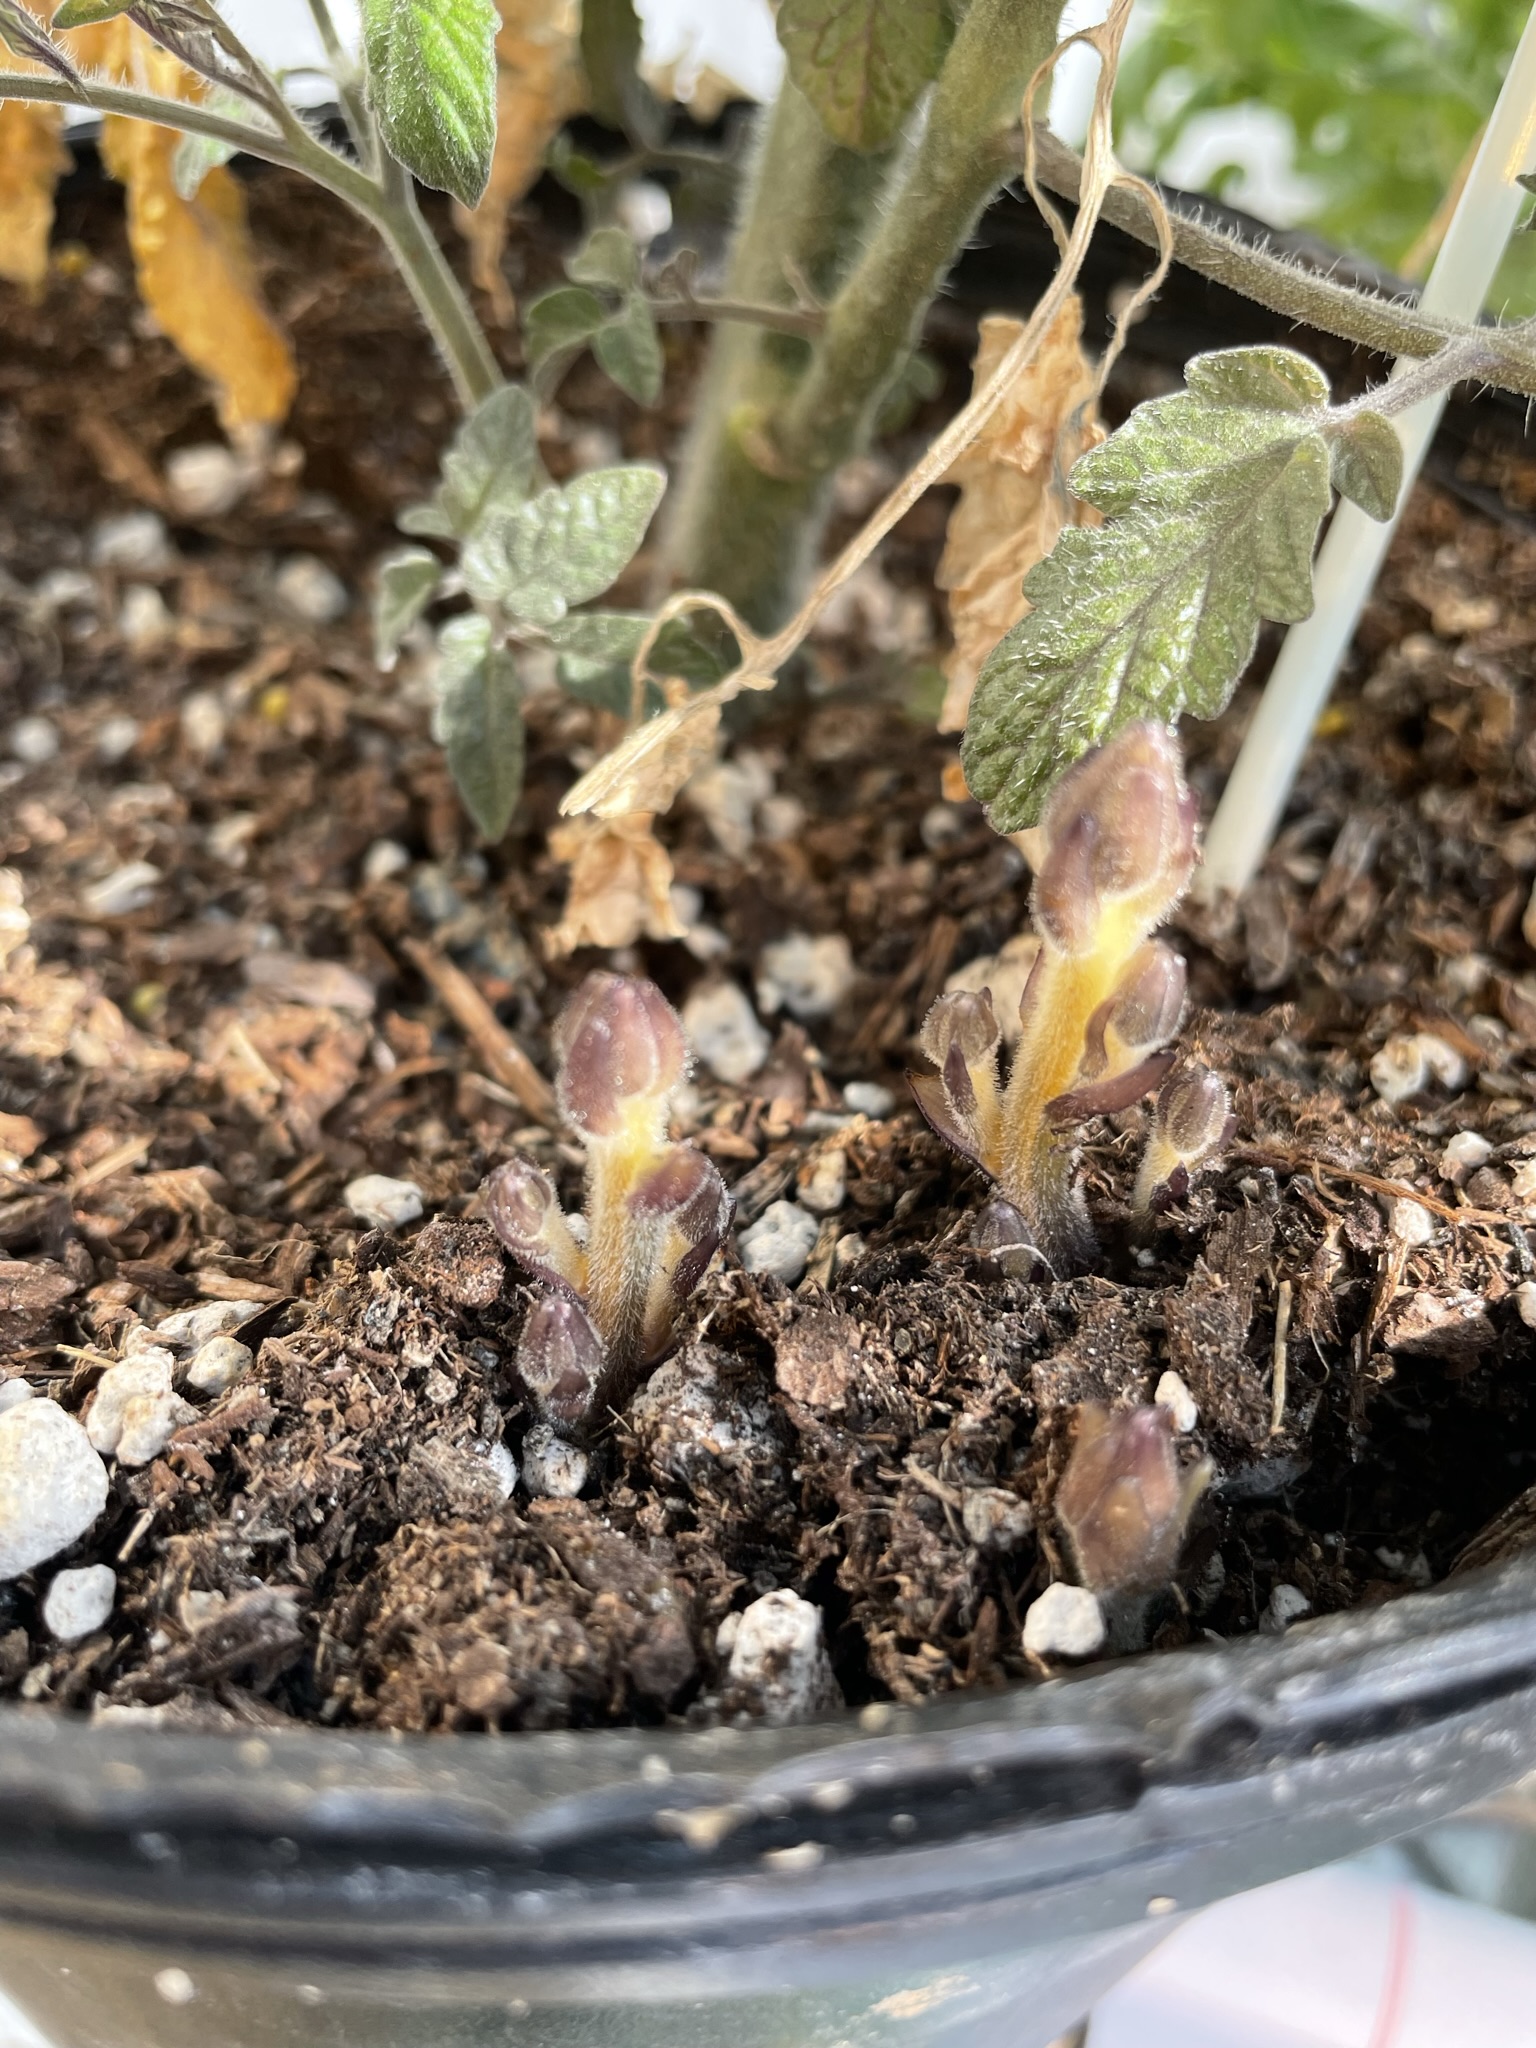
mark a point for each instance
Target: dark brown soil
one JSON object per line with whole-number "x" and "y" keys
{"x": 179, "y": 1123}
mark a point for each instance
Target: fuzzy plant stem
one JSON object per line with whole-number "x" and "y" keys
{"x": 776, "y": 421}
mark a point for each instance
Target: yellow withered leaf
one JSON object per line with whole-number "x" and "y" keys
{"x": 192, "y": 257}
{"x": 1013, "y": 497}
{"x": 539, "y": 84}
{"x": 621, "y": 882}
{"x": 31, "y": 160}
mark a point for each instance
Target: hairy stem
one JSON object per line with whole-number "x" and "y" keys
{"x": 732, "y": 526}
{"x": 387, "y": 203}
{"x": 360, "y": 122}
{"x": 440, "y": 301}
{"x": 1392, "y": 327}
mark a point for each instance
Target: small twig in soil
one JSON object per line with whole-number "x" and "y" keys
{"x": 1281, "y": 1358}
{"x": 508, "y": 1063}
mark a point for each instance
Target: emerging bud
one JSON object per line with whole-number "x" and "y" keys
{"x": 961, "y": 1036}
{"x": 1002, "y": 1231}
{"x": 1121, "y": 1058}
{"x": 1119, "y": 828}
{"x": 1124, "y": 1502}
{"x": 685, "y": 1197}
{"x": 560, "y": 1360}
{"x": 620, "y": 1044}
{"x": 523, "y": 1210}
{"x": 1193, "y": 1120}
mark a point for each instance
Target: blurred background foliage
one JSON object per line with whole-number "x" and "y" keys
{"x": 1386, "y": 104}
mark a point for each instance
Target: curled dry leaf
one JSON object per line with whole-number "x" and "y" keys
{"x": 538, "y": 84}
{"x": 192, "y": 257}
{"x": 31, "y": 161}
{"x": 621, "y": 883}
{"x": 1013, "y": 497}
{"x": 649, "y": 766}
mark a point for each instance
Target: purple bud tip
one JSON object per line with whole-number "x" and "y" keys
{"x": 1124, "y": 1501}
{"x": 1194, "y": 1113}
{"x": 619, "y": 1040}
{"x": 687, "y": 1194}
{"x": 522, "y": 1208}
{"x": 965, "y": 1021}
{"x": 1142, "y": 1014}
{"x": 1119, "y": 823}
{"x": 560, "y": 1359}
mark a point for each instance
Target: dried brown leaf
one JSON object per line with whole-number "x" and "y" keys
{"x": 621, "y": 881}
{"x": 31, "y": 161}
{"x": 649, "y": 766}
{"x": 539, "y": 84}
{"x": 192, "y": 257}
{"x": 288, "y": 1065}
{"x": 1013, "y": 497}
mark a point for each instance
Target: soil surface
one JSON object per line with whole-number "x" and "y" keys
{"x": 255, "y": 910}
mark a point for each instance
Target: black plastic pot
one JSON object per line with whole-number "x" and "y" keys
{"x": 977, "y": 1872}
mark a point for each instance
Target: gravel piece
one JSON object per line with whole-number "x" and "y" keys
{"x": 13, "y": 1393}
{"x": 779, "y": 1666}
{"x": 311, "y": 591}
{"x": 33, "y": 741}
{"x": 552, "y": 1468}
{"x": 191, "y": 1328}
{"x": 321, "y": 984}
{"x": 206, "y": 480}
{"x": 52, "y": 1485}
{"x": 869, "y": 1099}
{"x": 808, "y": 977}
{"x": 1066, "y": 1621}
{"x": 218, "y": 1365}
{"x": 79, "y": 1601}
{"x": 204, "y": 723}
{"x": 58, "y": 590}
{"x": 134, "y": 1411}
{"x": 1522, "y": 1183}
{"x": 1525, "y": 1303}
{"x": 780, "y": 1242}
{"x": 135, "y": 542}
{"x": 126, "y": 889}
{"x": 723, "y": 1030}
{"x": 1286, "y": 1604}
{"x": 502, "y": 1464}
{"x": 825, "y": 1187}
{"x": 382, "y": 1203}
{"x": 1173, "y": 1395}
{"x": 1464, "y": 1154}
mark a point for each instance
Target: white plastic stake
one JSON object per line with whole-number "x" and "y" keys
{"x": 1352, "y": 554}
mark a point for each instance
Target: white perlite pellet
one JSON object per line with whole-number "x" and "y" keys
{"x": 79, "y": 1601}
{"x": 134, "y": 1412}
{"x": 189, "y": 1329}
{"x": 780, "y": 1242}
{"x": 778, "y": 1656}
{"x": 52, "y": 1485}
{"x": 1065, "y": 1621}
{"x": 1464, "y": 1154}
{"x": 217, "y": 1365}
{"x": 723, "y": 1030}
{"x": 808, "y": 977}
{"x": 383, "y": 1203}
{"x": 552, "y": 1468}
{"x": 1173, "y": 1395}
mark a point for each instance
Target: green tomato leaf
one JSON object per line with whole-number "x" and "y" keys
{"x": 555, "y": 326}
{"x": 1367, "y": 459}
{"x": 1215, "y": 497}
{"x": 629, "y": 349}
{"x": 408, "y": 582}
{"x": 21, "y": 31}
{"x": 489, "y": 468}
{"x": 479, "y": 721}
{"x": 564, "y": 546}
{"x": 87, "y": 13}
{"x": 862, "y": 63}
{"x": 597, "y": 650}
{"x": 431, "y": 81}
{"x": 607, "y": 257}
